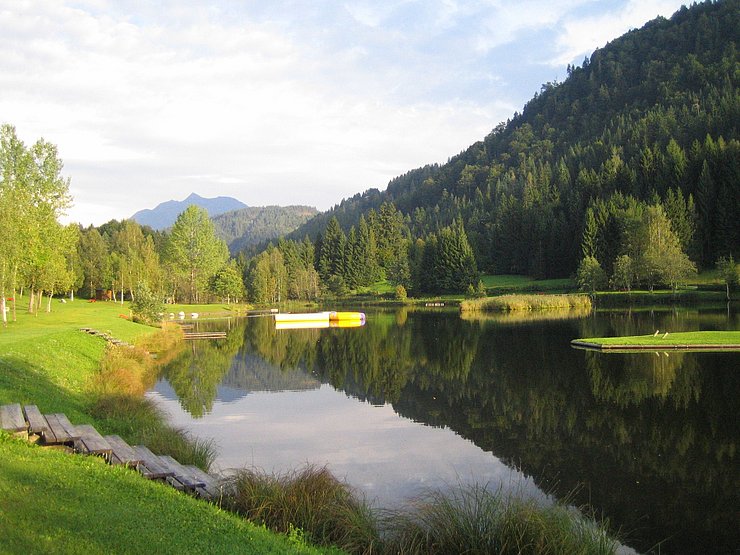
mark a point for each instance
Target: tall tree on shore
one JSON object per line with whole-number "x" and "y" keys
{"x": 193, "y": 252}
{"x": 33, "y": 195}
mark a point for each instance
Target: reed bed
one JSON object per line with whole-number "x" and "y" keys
{"x": 527, "y": 302}
{"x": 470, "y": 519}
{"x": 475, "y": 520}
{"x": 312, "y": 500}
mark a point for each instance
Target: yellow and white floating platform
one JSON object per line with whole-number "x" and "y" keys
{"x": 310, "y": 320}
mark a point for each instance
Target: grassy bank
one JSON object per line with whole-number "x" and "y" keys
{"x": 527, "y": 302}
{"x": 693, "y": 295}
{"x": 51, "y": 502}
{"x": 82, "y": 503}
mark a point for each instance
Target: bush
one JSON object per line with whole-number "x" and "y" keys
{"x": 146, "y": 306}
{"x": 401, "y": 294}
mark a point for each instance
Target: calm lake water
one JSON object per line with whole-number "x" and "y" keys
{"x": 423, "y": 399}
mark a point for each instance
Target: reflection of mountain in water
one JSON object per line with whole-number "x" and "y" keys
{"x": 251, "y": 372}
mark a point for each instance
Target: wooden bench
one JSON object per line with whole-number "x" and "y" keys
{"x": 91, "y": 442}
{"x": 12, "y": 420}
{"x": 122, "y": 452}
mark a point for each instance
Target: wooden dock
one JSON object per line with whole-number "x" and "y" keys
{"x": 55, "y": 429}
{"x": 205, "y": 335}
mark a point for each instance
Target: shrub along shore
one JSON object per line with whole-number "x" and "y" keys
{"x": 527, "y": 302}
{"x": 45, "y": 360}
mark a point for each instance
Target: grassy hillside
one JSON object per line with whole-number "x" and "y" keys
{"x": 51, "y": 502}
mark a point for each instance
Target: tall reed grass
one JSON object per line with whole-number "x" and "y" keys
{"x": 326, "y": 510}
{"x": 475, "y": 520}
{"x": 527, "y": 302}
{"x": 470, "y": 519}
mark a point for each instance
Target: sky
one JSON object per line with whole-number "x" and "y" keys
{"x": 281, "y": 102}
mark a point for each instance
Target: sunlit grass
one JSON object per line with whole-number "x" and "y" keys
{"x": 679, "y": 338}
{"x": 52, "y": 502}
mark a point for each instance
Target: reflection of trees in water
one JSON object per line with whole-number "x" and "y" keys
{"x": 198, "y": 370}
{"x": 629, "y": 379}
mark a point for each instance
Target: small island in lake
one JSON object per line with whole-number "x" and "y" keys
{"x": 663, "y": 340}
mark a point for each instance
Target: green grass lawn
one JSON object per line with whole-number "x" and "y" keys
{"x": 46, "y": 360}
{"x": 526, "y": 283}
{"x": 679, "y": 338}
{"x": 53, "y": 502}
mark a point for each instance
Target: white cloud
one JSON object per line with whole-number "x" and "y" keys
{"x": 582, "y": 35}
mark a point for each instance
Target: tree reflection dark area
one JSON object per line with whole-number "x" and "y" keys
{"x": 648, "y": 440}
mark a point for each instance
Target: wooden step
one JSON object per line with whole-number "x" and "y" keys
{"x": 122, "y": 452}
{"x": 61, "y": 430}
{"x": 36, "y": 422}
{"x": 212, "y": 487}
{"x": 182, "y": 478}
{"x": 12, "y": 420}
{"x": 91, "y": 442}
{"x": 151, "y": 467}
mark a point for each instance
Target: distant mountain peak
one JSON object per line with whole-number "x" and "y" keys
{"x": 165, "y": 213}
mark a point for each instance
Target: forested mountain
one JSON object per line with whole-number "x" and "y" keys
{"x": 165, "y": 214}
{"x": 254, "y": 225}
{"x": 645, "y": 129}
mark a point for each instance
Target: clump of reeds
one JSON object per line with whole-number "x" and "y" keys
{"x": 475, "y": 520}
{"x": 124, "y": 371}
{"x": 527, "y": 302}
{"x": 139, "y": 421}
{"x": 326, "y": 510}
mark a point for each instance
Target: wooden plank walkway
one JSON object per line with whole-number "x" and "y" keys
{"x": 108, "y": 337}
{"x": 56, "y": 429}
{"x": 91, "y": 442}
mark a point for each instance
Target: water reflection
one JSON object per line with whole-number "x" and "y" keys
{"x": 649, "y": 440}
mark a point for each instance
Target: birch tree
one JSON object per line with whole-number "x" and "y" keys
{"x": 193, "y": 251}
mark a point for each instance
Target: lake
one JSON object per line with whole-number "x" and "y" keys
{"x": 421, "y": 399}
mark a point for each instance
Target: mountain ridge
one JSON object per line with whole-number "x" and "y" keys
{"x": 164, "y": 214}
